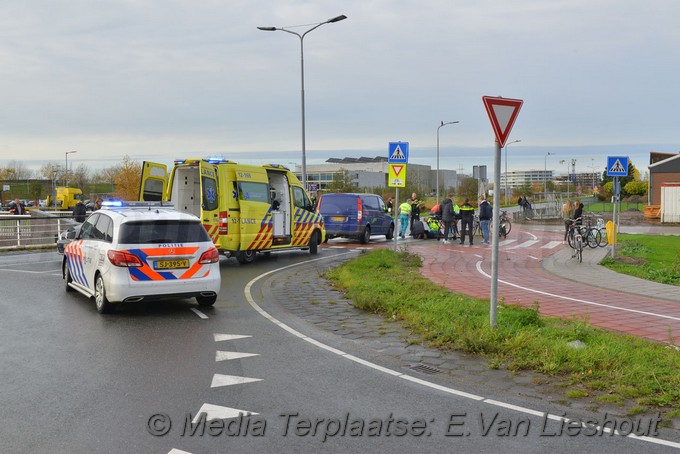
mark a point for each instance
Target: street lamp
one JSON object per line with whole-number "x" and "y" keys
{"x": 302, "y": 79}
{"x": 545, "y": 173}
{"x": 438, "y": 128}
{"x": 506, "y": 169}
{"x": 562, "y": 161}
{"x": 66, "y": 170}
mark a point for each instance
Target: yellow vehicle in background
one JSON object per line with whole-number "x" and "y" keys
{"x": 66, "y": 198}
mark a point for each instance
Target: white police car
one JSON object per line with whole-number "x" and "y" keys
{"x": 134, "y": 251}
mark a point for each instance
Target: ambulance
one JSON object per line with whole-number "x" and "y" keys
{"x": 245, "y": 209}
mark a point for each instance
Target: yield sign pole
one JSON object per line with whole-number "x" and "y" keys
{"x": 502, "y": 113}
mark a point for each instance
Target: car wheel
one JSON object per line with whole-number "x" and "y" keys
{"x": 206, "y": 300}
{"x": 390, "y": 233}
{"x": 365, "y": 235}
{"x": 314, "y": 243}
{"x": 244, "y": 257}
{"x": 67, "y": 278}
{"x": 103, "y": 305}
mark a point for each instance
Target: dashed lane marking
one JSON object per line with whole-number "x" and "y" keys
{"x": 199, "y": 313}
{"x": 551, "y": 245}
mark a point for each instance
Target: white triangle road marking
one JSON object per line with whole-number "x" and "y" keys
{"x": 178, "y": 451}
{"x": 218, "y": 412}
{"x": 228, "y": 380}
{"x": 226, "y": 356}
{"x": 228, "y": 337}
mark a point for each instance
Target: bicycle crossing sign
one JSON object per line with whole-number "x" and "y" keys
{"x": 398, "y": 153}
{"x": 617, "y": 166}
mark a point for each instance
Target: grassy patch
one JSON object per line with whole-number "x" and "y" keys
{"x": 613, "y": 367}
{"x": 655, "y": 258}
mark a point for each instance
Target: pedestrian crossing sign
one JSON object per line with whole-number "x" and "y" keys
{"x": 398, "y": 153}
{"x": 617, "y": 166}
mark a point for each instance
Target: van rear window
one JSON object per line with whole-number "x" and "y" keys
{"x": 162, "y": 232}
{"x": 338, "y": 204}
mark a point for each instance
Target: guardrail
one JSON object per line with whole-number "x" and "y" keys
{"x": 28, "y": 231}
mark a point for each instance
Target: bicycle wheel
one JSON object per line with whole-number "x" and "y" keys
{"x": 507, "y": 225}
{"x": 571, "y": 239}
{"x": 579, "y": 249}
{"x": 593, "y": 238}
{"x": 603, "y": 238}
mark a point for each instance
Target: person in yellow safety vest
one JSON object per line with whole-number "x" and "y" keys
{"x": 404, "y": 215}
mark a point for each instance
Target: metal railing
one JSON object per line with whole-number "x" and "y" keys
{"x": 29, "y": 231}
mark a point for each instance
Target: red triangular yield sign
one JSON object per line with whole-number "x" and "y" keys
{"x": 502, "y": 113}
{"x": 397, "y": 169}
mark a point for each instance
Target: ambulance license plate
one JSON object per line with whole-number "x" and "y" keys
{"x": 170, "y": 264}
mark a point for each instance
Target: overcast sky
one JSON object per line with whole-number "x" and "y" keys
{"x": 159, "y": 80}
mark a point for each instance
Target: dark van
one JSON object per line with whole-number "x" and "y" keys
{"x": 356, "y": 216}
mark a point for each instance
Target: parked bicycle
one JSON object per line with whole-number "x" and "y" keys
{"x": 504, "y": 225}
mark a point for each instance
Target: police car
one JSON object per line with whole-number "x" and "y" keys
{"x": 135, "y": 251}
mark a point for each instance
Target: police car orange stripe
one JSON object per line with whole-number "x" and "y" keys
{"x": 146, "y": 273}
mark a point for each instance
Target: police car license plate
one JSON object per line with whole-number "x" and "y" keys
{"x": 170, "y": 264}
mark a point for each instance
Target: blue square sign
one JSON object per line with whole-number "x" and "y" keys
{"x": 398, "y": 153}
{"x": 617, "y": 166}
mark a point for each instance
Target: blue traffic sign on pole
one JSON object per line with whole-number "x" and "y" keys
{"x": 398, "y": 153}
{"x": 617, "y": 166}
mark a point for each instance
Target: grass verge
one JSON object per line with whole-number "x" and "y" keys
{"x": 651, "y": 257}
{"x": 612, "y": 368}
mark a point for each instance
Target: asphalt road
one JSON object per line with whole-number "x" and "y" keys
{"x": 74, "y": 381}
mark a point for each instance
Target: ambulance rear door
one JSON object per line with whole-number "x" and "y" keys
{"x": 255, "y": 207}
{"x": 210, "y": 203}
{"x": 154, "y": 182}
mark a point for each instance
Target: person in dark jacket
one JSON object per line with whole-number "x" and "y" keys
{"x": 18, "y": 208}
{"x": 79, "y": 211}
{"x": 467, "y": 214}
{"x": 446, "y": 209}
{"x": 485, "y": 215}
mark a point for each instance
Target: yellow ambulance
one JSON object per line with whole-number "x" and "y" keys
{"x": 245, "y": 209}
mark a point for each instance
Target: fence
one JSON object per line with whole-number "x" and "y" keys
{"x": 28, "y": 231}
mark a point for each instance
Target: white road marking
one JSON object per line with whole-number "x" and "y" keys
{"x": 178, "y": 451}
{"x": 228, "y": 380}
{"x": 33, "y": 272}
{"x": 218, "y": 412}
{"x": 401, "y": 375}
{"x": 227, "y": 356}
{"x": 551, "y": 245}
{"x": 199, "y": 313}
{"x": 228, "y": 337}
{"x": 576, "y": 300}
{"x": 506, "y": 242}
{"x": 524, "y": 244}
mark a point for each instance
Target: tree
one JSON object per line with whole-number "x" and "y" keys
{"x": 341, "y": 182}
{"x": 636, "y": 188}
{"x": 467, "y": 187}
{"x": 127, "y": 177}
{"x": 15, "y": 170}
{"x": 80, "y": 178}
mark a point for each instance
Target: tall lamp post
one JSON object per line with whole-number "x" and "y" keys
{"x": 302, "y": 79}
{"x": 545, "y": 173}
{"x": 438, "y": 128}
{"x": 66, "y": 169}
{"x": 562, "y": 161}
{"x": 506, "y": 169}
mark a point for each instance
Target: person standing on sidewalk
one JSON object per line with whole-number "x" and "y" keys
{"x": 404, "y": 215}
{"x": 446, "y": 208}
{"x": 567, "y": 216}
{"x": 485, "y": 215}
{"x": 467, "y": 214}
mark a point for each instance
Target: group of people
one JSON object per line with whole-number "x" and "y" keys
{"x": 409, "y": 211}
{"x": 80, "y": 210}
{"x": 450, "y": 214}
